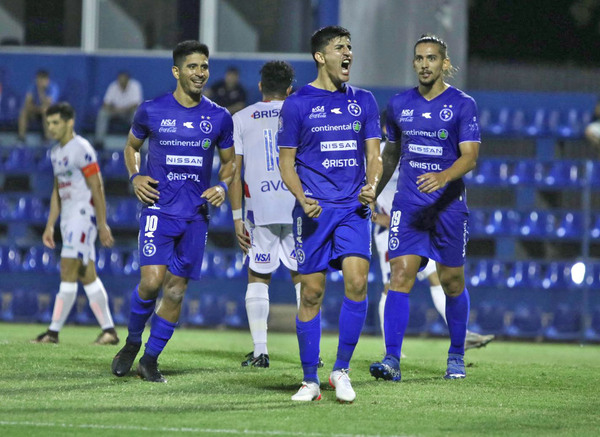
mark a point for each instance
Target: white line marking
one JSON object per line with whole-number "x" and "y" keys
{"x": 188, "y": 430}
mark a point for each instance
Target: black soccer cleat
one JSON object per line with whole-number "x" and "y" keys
{"x": 260, "y": 361}
{"x": 124, "y": 359}
{"x": 46, "y": 337}
{"x": 148, "y": 371}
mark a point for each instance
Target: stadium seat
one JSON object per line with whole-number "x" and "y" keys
{"x": 226, "y": 264}
{"x": 570, "y": 226}
{"x": 489, "y": 318}
{"x": 203, "y": 311}
{"x": 44, "y": 163}
{"x": 535, "y": 123}
{"x": 592, "y": 333}
{"x": 538, "y": 224}
{"x": 498, "y": 121}
{"x": 20, "y": 160}
{"x": 234, "y": 312}
{"x": 502, "y": 222}
{"x": 10, "y": 259}
{"x": 486, "y": 273}
{"x": 557, "y": 275}
{"x": 132, "y": 263}
{"x": 526, "y": 322}
{"x": 124, "y": 213}
{"x": 45, "y": 304}
{"x": 524, "y": 274}
{"x": 525, "y": 172}
{"x": 221, "y": 217}
{"x": 563, "y": 174}
{"x": 566, "y": 324}
{"x": 83, "y": 312}
{"x": 566, "y": 123}
{"x": 491, "y": 172}
{"x": 109, "y": 261}
{"x": 24, "y": 304}
{"x": 113, "y": 165}
{"x": 477, "y": 222}
{"x": 595, "y": 229}
{"x": 32, "y": 261}
{"x": 6, "y": 306}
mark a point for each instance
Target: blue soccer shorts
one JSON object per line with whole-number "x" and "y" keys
{"x": 178, "y": 244}
{"x": 337, "y": 233}
{"x": 431, "y": 233}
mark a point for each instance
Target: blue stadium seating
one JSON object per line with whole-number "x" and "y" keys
{"x": 485, "y": 273}
{"x": 525, "y": 172}
{"x": 524, "y": 274}
{"x": 526, "y": 322}
{"x": 226, "y": 264}
{"x": 10, "y": 259}
{"x": 20, "y": 160}
{"x": 123, "y": 213}
{"x": 570, "y": 226}
{"x": 489, "y": 318}
{"x": 563, "y": 174}
{"x": 221, "y": 217}
{"x": 566, "y": 324}
{"x": 132, "y": 263}
{"x": 491, "y": 172}
{"x": 112, "y": 165}
{"x": 109, "y": 261}
{"x": 538, "y": 224}
{"x": 557, "y": 275}
{"x": 592, "y": 333}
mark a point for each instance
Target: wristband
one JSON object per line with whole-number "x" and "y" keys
{"x": 237, "y": 214}
{"x": 224, "y": 186}
{"x": 133, "y": 176}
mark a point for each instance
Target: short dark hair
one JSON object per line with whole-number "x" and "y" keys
{"x": 185, "y": 48}
{"x": 42, "y": 73}
{"x": 276, "y": 77}
{"x": 321, "y": 37}
{"x": 65, "y": 110}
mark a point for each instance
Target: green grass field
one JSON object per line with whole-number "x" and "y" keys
{"x": 511, "y": 389}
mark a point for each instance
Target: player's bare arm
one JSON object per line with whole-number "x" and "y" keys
{"x": 48, "y": 235}
{"x": 217, "y": 194}
{"x": 373, "y": 171}
{"x": 94, "y": 182}
{"x": 430, "y": 182}
{"x": 235, "y": 198}
{"x": 142, "y": 185}
{"x": 390, "y": 158}
{"x": 287, "y": 167}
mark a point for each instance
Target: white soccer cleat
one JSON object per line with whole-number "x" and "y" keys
{"x": 340, "y": 380}
{"x": 309, "y": 391}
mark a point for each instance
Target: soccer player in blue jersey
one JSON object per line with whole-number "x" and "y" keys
{"x": 435, "y": 130}
{"x": 183, "y": 129}
{"x": 327, "y": 131}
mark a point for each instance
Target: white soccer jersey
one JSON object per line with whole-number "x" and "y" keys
{"x": 268, "y": 201}
{"x": 386, "y": 198}
{"x": 71, "y": 164}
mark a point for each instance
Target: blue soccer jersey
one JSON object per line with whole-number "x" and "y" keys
{"x": 181, "y": 146}
{"x": 430, "y": 132}
{"x": 329, "y": 130}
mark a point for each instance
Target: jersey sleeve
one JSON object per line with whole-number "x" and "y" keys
{"x": 139, "y": 127}
{"x": 468, "y": 129}
{"x": 86, "y": 160}
{"x": 226, "y": 135}
{"x": 238, "y": 141}
{"x": 373, "y": 124}
{"x": 290, "y": 123}
{"x": 394, "y": 133}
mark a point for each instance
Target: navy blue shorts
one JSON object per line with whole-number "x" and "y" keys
{"x": 178, "y": 244}
{"x": 430, "y": 233}
{"x": 337, "y": 233}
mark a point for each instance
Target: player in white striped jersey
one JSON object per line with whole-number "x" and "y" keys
{"x": 78, "y": 197}
{"x": 266, "y": 236}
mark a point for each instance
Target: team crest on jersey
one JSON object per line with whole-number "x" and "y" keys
{"x": 354, "y": 108}
{"x": 300, "y": 256}
{"x": 446, "y": 113}
{"x": 206, "y": 126}
{"x": 149, "y": 249}
{"x": 394, "y": 243}
{"x": 88, "y": 157}
{"x": 356, "y": 126}
{"x": 206, "y": 143}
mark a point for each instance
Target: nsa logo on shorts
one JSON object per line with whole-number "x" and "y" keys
{"x": 354, "y": 109}
{"x": 300, "y": 256}
{"x": 206, "y": 126}
{"x": 149, "y": 249}
{"x": 394, "y": 243}
{"x": 446, "y": 114}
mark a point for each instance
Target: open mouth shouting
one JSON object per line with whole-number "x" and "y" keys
{"x": 346, "y": 67}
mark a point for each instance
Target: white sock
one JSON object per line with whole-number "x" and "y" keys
{"x": 298, "y": 286}
{"x": 67, "y": 292}
{"x": 257, "y": 308}
{"x": 439, "y": 300}
{"x": 99, "y": 303}
{"x": 381, "y": 313}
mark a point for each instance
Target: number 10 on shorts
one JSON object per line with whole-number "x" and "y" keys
{"x": 151, "y": 224}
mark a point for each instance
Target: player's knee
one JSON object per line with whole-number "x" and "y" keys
{"x": 453, "y": 285}
{"x": 356, "y": 285}
{"x": 312, "y": 295}
{"x": 401, "y": 281}
{"x": 149, "y": 286}
{"x": 174, "y": 295}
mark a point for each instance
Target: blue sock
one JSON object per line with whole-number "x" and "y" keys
{"x": 352, "y": 320}
{"x": 160, "y": 333}
{"x": 139, "y": 313}
{"x": 457, "y": 315}
{"x": 395, "y": 321}
{"x": 309, "y": 339}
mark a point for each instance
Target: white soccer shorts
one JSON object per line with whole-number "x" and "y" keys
{"x": 78, "y": 239}
{"x": 271, "y": 245}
